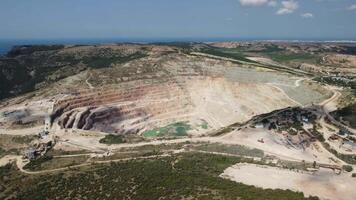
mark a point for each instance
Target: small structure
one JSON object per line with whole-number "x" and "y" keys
{"x": 344, "y": 132}
{"x": 259, "y": 125}
{"x": 43, "y": 134}
{"x": 38, "y": 150}
{"x": 305, "y": 119}
{"x": 30, "y": 154}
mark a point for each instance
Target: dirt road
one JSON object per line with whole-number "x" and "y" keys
{"x": 329, "y": 105}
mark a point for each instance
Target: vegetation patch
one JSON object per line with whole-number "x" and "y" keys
{"x": 60, "y": 152}
{"x": 347, "y": 168}
{"x": 176, "y": 129}
{"x": 49, "y": 162}
{"x": 2, "y": 152}
{"x": 204, "y": 125}
{"x": 348, "y": 158}
{"x": 289, "y": 57}
{"x": 112, "y": 139}
{"x": 223, "y": 131}
{"x": 183, "y": 176}
{"x": 340, "y": 81}
{"x": 36, "y": 164}
{"x": 29, "y": 49}
{"x": 160, "y": 147}
{"x": 26, "y": 69}
{"x": 347, "y": 114}
{"x": 227, "y": 53}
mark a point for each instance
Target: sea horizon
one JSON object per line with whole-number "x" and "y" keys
{"x": 7, "y": 44}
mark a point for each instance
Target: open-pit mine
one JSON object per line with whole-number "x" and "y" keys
{"x": 238, "y": 108}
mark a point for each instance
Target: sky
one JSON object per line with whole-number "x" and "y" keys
{"x": 170, "y": 19}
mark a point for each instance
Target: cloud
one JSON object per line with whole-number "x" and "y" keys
{"x": 272, "y": 3}
{"x": 352, "y": 7}
{"x": 307, "y": 15}
{"x": 253, "y": 2}
{"x": 288, "y": 7}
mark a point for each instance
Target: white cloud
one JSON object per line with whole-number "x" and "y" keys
{"x": 307, "y": 15}
{"x": 253, "y": 2}
{"x": 352, "y": 7}
{"x": 288, "y": 7}
{"x": 272, "y": 3}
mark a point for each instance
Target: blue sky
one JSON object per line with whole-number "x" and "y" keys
{"x": 241, "y": 19}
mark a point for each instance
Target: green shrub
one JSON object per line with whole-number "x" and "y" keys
{"x": 36, "y": 164}
{"x": 2, "y": 152}
{"x": 112, "y": 139}
{"x": 347, "y": 168}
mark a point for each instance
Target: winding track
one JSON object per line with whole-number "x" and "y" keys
{"x": 87, "y": 82}
{"x": 326, "y": 110}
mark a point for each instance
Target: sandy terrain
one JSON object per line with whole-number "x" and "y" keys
{"x": 25, "y": 131}
{"x": 346, "y": 61}
{"x": 324, "y": 183}
{"x": 276, "y": 144}
{"x": 222, "y": 102}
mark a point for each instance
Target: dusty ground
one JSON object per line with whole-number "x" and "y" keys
{"x": 324, "y": 183}
{"x": 276, "y": 144}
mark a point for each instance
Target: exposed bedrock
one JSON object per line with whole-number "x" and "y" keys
{"x": 135, "y": 109}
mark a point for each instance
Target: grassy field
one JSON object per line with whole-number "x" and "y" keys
{"x": 282, "y": 57}
{"x": 227, "y": 53}
{"x": 176, "y": 129}
{"x": 60, "y": 152}
{"x": 184, "y": 176}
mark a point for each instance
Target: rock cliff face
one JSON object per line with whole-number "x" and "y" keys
{"x": 132, "y": 110}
